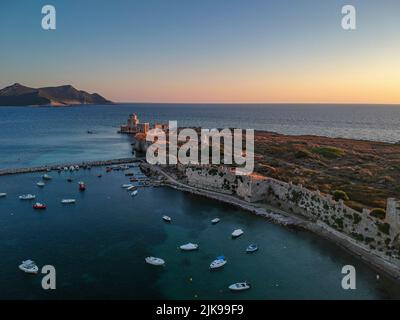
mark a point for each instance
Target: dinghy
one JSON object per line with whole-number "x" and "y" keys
{"x": 2, "y": 195}
{"x": 251, "y": 248}
{"x": 27, "y": 197}
{"x": 29, "y": 266}
{"x": 155, "y": 261}
{"x": 215, "y": 221}
{"x": 237, "y": 233}
{"x": 240, "y": 286}
{"x": 68, "y": 201}
{"x": 167, "y": 219}
{"x": 218, "y": 263}
{"x": 40, "y": 184}
{"x": 189, "y": 247}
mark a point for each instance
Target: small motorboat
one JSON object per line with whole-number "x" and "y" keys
{"x": 27, "y": 197}
{"x": 131, "y": 188}
{"x": 215, "y": 221}
{"x": 40, "y": 184}
{"x": 72, "y": 168}
{"x": 134, "y": 193}
{"x": 29, "y": 266}
{"x": 68, "y": 201}
{"x": 129, "y": 174}
{"x": 70, "y": 180}
{"x": 133, "y": 179}
{"x": 218, "y": 263}
{"x": 82, "y": 186}
{"x": 189, "y": 247}
{"x": 127, "y": 185}
{"x": 237, "y": 233}
{"x": 240, "y": 286}
{"x": 89, "y": 132}
{"x": 251, "y": 248}
{"x": 167, "y": 219}
{"x": 3, "y": 194}
{"x": 109, "y": 169}
{"x": 99, "y": 175}
{"x": 46, "y": 177}
{"x": 39, "y": 206}
{"x": 155, "y": 261}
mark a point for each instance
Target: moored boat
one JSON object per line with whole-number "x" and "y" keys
{"x": 251, "y": 248}
{"x": 40, "y": 184}
{"x": 218, "y": 263}
{"x": 134, "y": 193}
{"x": 39, "y": 206}
{"x": 240, "y": 286}
{"x": 82, "y": 186}
{"x": 155, "y": 261}
{"x": 127, "y": 185}
{"x": 29, "y": 266}
{"x": 237, "y": 233}
{"x": 46, "y": 177}
{"x": 27, "y": 197}
{"x": 215, "y": 221}
{"x": 167, "y": 218}
{"x": 68, "y": 201}
{"x": 189, "y": 247}
{"x": 3, "y": 194}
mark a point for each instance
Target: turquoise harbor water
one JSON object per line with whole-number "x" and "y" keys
{"x": 99, "y": 244}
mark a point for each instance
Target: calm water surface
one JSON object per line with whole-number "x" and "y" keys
{"x": 99, "y": 244}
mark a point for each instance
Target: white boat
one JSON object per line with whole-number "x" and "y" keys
{"x": 167, "y": 219}
{"x": 29, "y": 266}
{"x": 237, "y": 233}
{"x": 68, "y": 201}
{"x": 40, "y": 184}
{"x": 2, "y": 195}
{"x": 27, "y": 197}
{"x": 126, "y": 186}
{"x": 134, "y": 193}
{"x": 215, "y": 221}
{"x": 155, "y": 261}
{"x": 240, "y": 286}
{"x": 71, "y": 168}
{"x": 131, "y": 188}
{"x": 218, "y": 263}
{"x": 252, "y": 248}
{"x": 46, "y": 177}
{"x": 189, "y": 247}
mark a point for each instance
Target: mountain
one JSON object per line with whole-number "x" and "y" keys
{"x": 19, "y": 95}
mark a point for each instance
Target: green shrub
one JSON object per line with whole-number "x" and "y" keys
{"x": 328, "y": 152}
{"x": 383, "y": 227}
{"x": 339, "y": 194}
{"x": 378, "y": 213}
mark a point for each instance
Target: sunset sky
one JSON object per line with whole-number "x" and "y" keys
{"x": 207, "y": 50}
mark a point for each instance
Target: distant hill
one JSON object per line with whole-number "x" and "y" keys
{"x": 19, "y": 95}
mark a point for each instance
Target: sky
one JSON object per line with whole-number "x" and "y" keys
{"x": 221, "y": 51}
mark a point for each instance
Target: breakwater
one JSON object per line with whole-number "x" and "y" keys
{"x": 82, "y": 164}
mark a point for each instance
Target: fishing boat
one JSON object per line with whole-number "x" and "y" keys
{"x": 27, "y": 197}
{"x": 167, "y": 219}
{"x": 251, "y": 248}
{"x": 218, "y": 263}
{"x": 29, "y": 266}
{"x": 46, "y": 177}
{"x": 82, "y": 186}
{"x": 189, "y": 247}
{"x": 240, "y": 286}
{"x": 237, "y": 233}
{"x": 40, "y": 184}
{"x": 39, "y": 206}
{"x": 155, "y": 261}
{"x": 215, "y": 221}
{"x": 2, "y": 195}
{"x": 68, "y": 201}
{"x": 134, "y": 193}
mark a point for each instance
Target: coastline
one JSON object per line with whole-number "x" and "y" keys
{"x": 289, "y": 220}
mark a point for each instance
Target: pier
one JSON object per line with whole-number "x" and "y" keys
{"x": 82, "y": 164}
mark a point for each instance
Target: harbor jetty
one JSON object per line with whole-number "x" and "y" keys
{"x": 84, "y": 164}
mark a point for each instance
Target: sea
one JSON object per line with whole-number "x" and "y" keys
{"x": 99, "y": 244}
